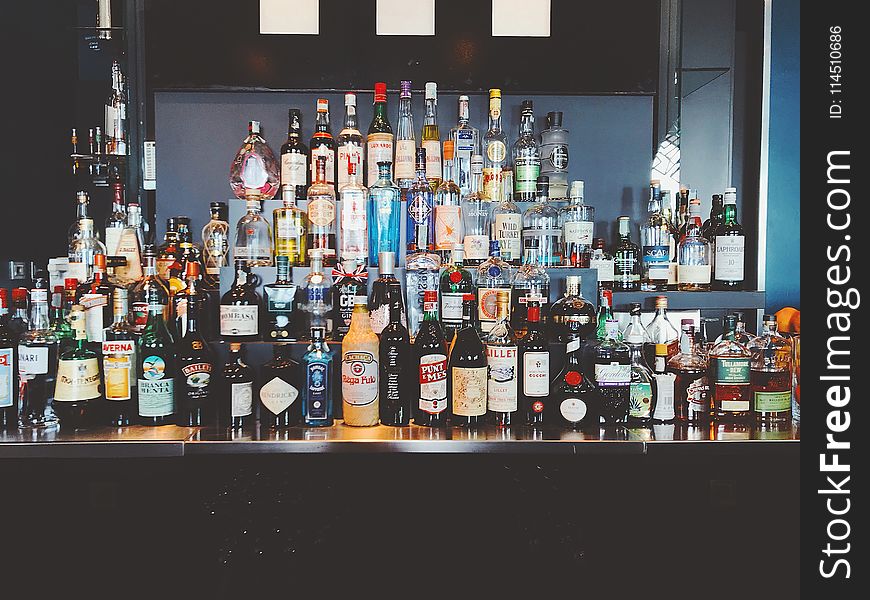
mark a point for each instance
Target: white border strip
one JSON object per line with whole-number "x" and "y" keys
{"x": 765, "y": 148}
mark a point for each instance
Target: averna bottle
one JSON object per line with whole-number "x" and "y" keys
{"x": 294, "y": 160}
{"x": 613, "y": 375}
{"x": 321, "y": 215}
{"x": 395, "y": 375}
{"x": 386, "y": 296}
{"x": 379, "y": 139}
{"x": 317, "y": 389}
{"x": 430, "y": 362}
{"x": 254, "y": 171}
{"x": 384, "y": 214}
{"x": 236, "y": 391}
{"x": 240, "y": 308}
{"x": 323, "y": 144}
{"x": 350, "y": 144}
{"x": 502, "y": 366}
{"x": 156, "y": 366}
{"x": 279, "y": 389}
{"x": 37, "y": 366}
{"x": 526, "y": 156}
{"x": 467, "y": 369}
{"x": 119, "y": 365}
{"x": 195, "y": 365}
{"x": 77, "y": 386}
{"x": 359, "y": 369}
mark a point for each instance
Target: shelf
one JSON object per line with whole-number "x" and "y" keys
{"x": 737, "y": 300}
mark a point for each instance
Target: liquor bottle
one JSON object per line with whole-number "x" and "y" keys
{"x": 152, "y": 287}
{"x": 118, "y": 352}
{"x": 290, "y": 224}
{"x": 405, "y": 143}
{"x": 235, "y": 392}
{"x": 770, "y": 374}
{"x": 572, "y": 317}
{"x": 155, "y": 365}
{"x": 456, "y": 283}
{"x": 280, "y": 388}
{"x": 541, "y": 228}
{"x": 60, "y": 314}
{"x": 83, "y": 250}
{"x": 740, "y": 334}
{"x": 77, "y": 386}
{"x": 530, "y": 283}
{"x": 664, "y": 388}
{"x": 379, "y": 139}
{"x": 467, "y": 370}
{"x": 254, "y": 172}
{"x": 350, "y": 144}
{"x": 117, "y": 219}
{"x": 626, "y": 259}
{"x": 493, "y": 275}
{"x": 603, "y": 263}
{"x": 95, "y": 298}
{"x": 507, "y": 227}
{"x": 717, "y": 214}
{"x": 188, "y": 253}
{"x": 661, "y": 331}
{"x": 502, "y": 366}
{"x": 359, "y": 369}
{"x": 691, "y": 388}
{"x": 195, "y": 365}
{"x": 535, "y": 365}
{"x": 168, "y": 252}
{"x": 475, "y": 216}
{"x": 526, "y": 156}
{"x": 683, "y": 200}
{"x": 693, "y": 269}
{"x": 316, "y": 404}
{"x": 321, "y": 215}
{"x": 554, "y": 155}
{"x": 421, "y": 214}
{"x": 613, "y": 375}
{"x": 641, "y": 406}
{"x": 384, "y": 214}
{"x": 8, "y": 369}
{"x": 240, "y": 308}
{"x": 494, "y": 149}
{"x": 294, "y": 160}
{"x": 576, "y": 403}
{"x": 430, "y": 138}
{"x": 349, "y": 280}
{"x": 466, "y": 143}
{"x": 430, "y": 358}
{"x": 729, "y": 375}
{"x": 323, "y": 144}
{"x": 421, "y": 275}
{"x": 730, "y": 247}
{"x": 386, "y": 296}
{"x": 129, "y": 246}
{"x": 395, "y": 377}
{"x": 37, "y": 366}
{"x": 354, "y": 201}
{"x": 577, "y": 221}
{"x": 448, "y": 210}
{"x": 656, "y": 242}
{"x": 137, "y": 222}
{"x": 81, "y": 213}
{"x": 253, "y": 237}
{"x": 279, "y": 297}
{"x": 116, "y": 114}
{"x": 635, "y": 334}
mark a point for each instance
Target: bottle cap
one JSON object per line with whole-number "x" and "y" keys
{"x": 684, "y": 322}
{"x": 149, "y": 250}
{"x": 447, "y": 149}
{"x": 318, "y": 333}
{"x": 661, "y": 349}
{"x": 477, "y": 163}
{"x": 322, "y": 105}
{"x": 634, "y": 308}
{"x": 192, "y": 270}
{"x": 495, "y": 93}
{"x": 577, "y": 189}
{"x": 405, "y": 89}
{"x": 555, "y": 118}
{"x": 730, "y": 196}
{"x": 380, "y": 92}
{"x": 431, "y": 90}
{"x": 100, "y": 262}
{"x": 503, "y": 296}
{"x": 526, "y": 106}
{"x": 217, "y": 205}
{"x": 661, "y": 301}
{"x": 19, "y": 294}
{"x": 254, "y": 127}
{"x": 82, "y": 197}
{"x": 387, "y": 263}
{"x": 235, "y": 346}
{"x": 4, "y": 298}
{"x": 350, "y": 99}
{"x": 598, "y": 243}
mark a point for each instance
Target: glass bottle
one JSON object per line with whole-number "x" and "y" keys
{"x": 294, "y": 161}
{"x": 116, "y": 114}
{"x": 95, "y": 298}
{"x": 280, "y": 388}
{"x": 60, "y": 322}
{"x": 430, "y": 359}
{"x": 354, "y": 201}
{"x": 290, "y": 224}
{"x": 240, "y": 308}
{"x": 635, "y": 334}
{"x": 195, "y": 365}
{"x": 530, "y": 283}
{"x": 188, "y": 253}
{"x": 503, "y": 371}
{"x": 317, "y": 365}
{"x": 456, "y": 283}
{"x": 656, "y": 242}
{"x": 663, "y": 387}
{"x": 466, "y": 143}
{"x": 37, "y": 366}
{"x": 360, "y": 369}
{"x": 254, "y": 171}
{"x": 495, "y": 155}
{"x": 535, "y": 365}
{"x": 8, "y": 369}
{"x": 386, "y": 295}
{"x": 323, "y": 144}
{"x": 467, "y": 369}
{"x": 155, "y": 365}
{"x": 526, "y": 156}
{"x": 729, "y": 375}
{"x": 118, "y": 352}
{"x": 279, "y": 298}
{"x": 168, "y": 252}
{"x": 730, "y": 247}
{"x": 572, "y": 316}
{"x": 475, "y": 215}
{"x": 770, "y": 374}
{"x": 253, "y": 237}
{"x": 683, "y": 200}
{"x": 554, "y": 155}
{"x": 507, "y": 226}
{"x": 577, "y": 221}
{"x": 83, "y": 250}
{"x": 448, "y": 211}
{"x": 603, "y": 263}
{"x": 541, "y": 227}
{"x": 421, "y": 214}
{"x": 19, "y": 322}
{"x": 430, "y": 139}
{"x": 235, "y": 391}
{"x": 641, "y": 405}
{"x": 626, "y": 259}
{"x": 137, "y": 222}
{"x": 493, "y": 275}
{"x": 613, "y": 374}
{"x": 691, "y": 388}
{"x": 693, "y": 269}
{"x": 77, "y": 386}
{"x": 129, "y": 246}
{"x": 740, "y": 334}
{"x": 350, "y": 280}
{"x": 421, "y": 275}
{"x": 117, "y": 219}
{"x": 396, "y": 376}
{"x": 576, "y": 402}
{"x": 316, "y": 297}
{"x": 81, "y": 213}
{"x": 350, "y": 145}
{"x": 661, "y": 331}
{"x": 321, "y": 215}
{"x": 384, "y": 214}
{"x": 152, "y": 287}
{"x": 717, "y": 213}
{"x": 379, "y": 139}
{"x": 405, "y": 143}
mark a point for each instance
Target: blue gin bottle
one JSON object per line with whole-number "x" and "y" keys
{"x": 384, "y": 212}
{"x": 317, "y": 392}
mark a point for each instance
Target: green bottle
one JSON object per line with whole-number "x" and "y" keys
{"x": 156, "y": 367}
{"x": 78, "y": 377}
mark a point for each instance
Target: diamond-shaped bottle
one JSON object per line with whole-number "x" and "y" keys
{"x": 254, "y": 171}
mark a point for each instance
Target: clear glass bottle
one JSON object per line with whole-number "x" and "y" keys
{"x": 448, "y": 210}
{"x": 294, "y": 159}
{"x": 37, "y": 366}
{"x": 138, "y": 222}
{"x": 475, "y": 215}
{"x": 530, "y": 283}
{"x": 316, "y": 296}
{"x": 360, "y": 369}
{"x": 466, "y": 143}
{"x": 117, "y": 219}
{"x": 507, "y": 227}
{"x": 770, "y": 376}
{"x": 83, "y": 250}
{"x": 350, "y": 144}
{"x": 656, "y": 243}
{"x": 577, "y": 221}
{"x": 384, "y": 214}
{"x": 379, "y": 140}
{"x": 495, "y": 153}
{"x": 626, "y": 259}
{"x": 526, "y": 156}
{"x": 405, "y": 144}
{"x": 693, "y": 268}
{"x": 729, "y": 375}
{"x": 82, "y": 201}
{"x": 290, "y": 224}
{"x": 691, "y": 388}
{"x": 730, "y": 247}
{"x": 554, "y": 155}
{"x": 253, "y": 237}
{"x": 130, "y": 248}
{"x": 572, "y": 317}
{"x": 321, "y": 215}
{"x": 640, "y": 408}
{"x": 323, "y": 144}
{"x": 215, "y": 240}
{"x": 541, "y": 227}
{"x": 603, "y": 263}
{"x": 254, "y": 171}
{"x": 661, "y": 331}
{"x": 456, "y": 282}
{"x": 502, "y": 360}
{"x": 317, "y": 365}
{"x": 116, "y": 114}
{"x": 430, "y": 138}
{"x": 421, "y": 275}
{"x": 493, "y": 276}
{"x": 421, "y": 214}
{"x": 663, "y": 387}
{"x": 613, "y": 375}
{"x": 635, "y": 333}
{"x": 354, "y": 204}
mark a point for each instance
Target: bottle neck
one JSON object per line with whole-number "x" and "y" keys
{"x": 192, "y": 318}
{"x": 527, "y": 124}
{"x": 729, "y": 214}
{"x": 476, "y": 182}
{"x": 150, "y": 266}
{"x": 380, "y": 111}
{"x": 447, "y": 170}
{"x": 431, "y": 117}
{"x": 350, "y": 119}
{"x": 384, "y": 173}
{"x": 39, "y": 318}
{"x": 241, "y": 277}
{"x": 320, "y": 172}
{"x": 468, "y": 314}
{"x": 321, "y": 125}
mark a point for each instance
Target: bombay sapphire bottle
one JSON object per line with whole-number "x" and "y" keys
{"x": 254, "y": 171}
{"x": 317, "y": 391}
{"x": 384, "y": 211}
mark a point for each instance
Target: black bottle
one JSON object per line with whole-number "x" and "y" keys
{"x": 240, "y": 308}
{"x": 236, "y": 391}
{"x": 429, "y": 364}
{"x": 395, "y": 364}
{"x": 195, "y": 366}
{"x": 280, "y": 384}
{"x": 467, "y": 371}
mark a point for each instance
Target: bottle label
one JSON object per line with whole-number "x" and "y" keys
{"x": 729, "y": 257}
{"x": 433, "y": 158}
{"x": 128, "y": 247}
{"x": 697, "y": 395}
{"x": 492, "y": 182}
{"x": 624, "y": 267}
{"x": 536, "y": 374}
{"x": 656, "y": 261}
{"x": 349, "y": 153}
{"x": 239, "y": 320}
{"x": 288, "y": 228}
{"x": 321, "y": 211}
{"x": 731, "y": 371}
{"x": 379, "y": 318}
{"x": 578, "y": 232}
{"x": 322, "y": 150}
{"x": 113, "y": 234}
{"x": 317, "y": 406}
{"x": 32, "y": 361}
{"x": 448, "y": 220}
{"x": 280, "y": 299}
{"x": 118, "y": 361}
{"x": 451, "y": 308}
{"x": 664, "y": 410}
{"x": 163, "y": 265}
{"x": 476, "y": 247}
{"x": 640, "y": 400}
{"x": 94, "y": 305}
{"x": 558, "y": 157}
{"x": 526, "y": 171}
{"x": 197, "y": 377}
{"x": 7, "y": 378}
{"x": 77, "y": 380}
{"x": 404, "y": 164}
{"x": 293, "y": 169}
{"x": 734, "y": 405}
{"x": 353, "y": 212}
{"x": 501, "y": 383}
{"x": 433, "y": 383}
{"x": 496, "y": 151}
{"x": 379, "y": 148}
{"x": 614, "y": 375}
{"x": 469, "y": 391}
{"x": 359, "y": 378}
{"x": 699, "y": 274}
{"x": 242, "y": 399}
{"x": 487, "y": 307}
{"x": 604, "y": 268}
{"x": 548, "y": 243}
{"x": 508, "y": 232}
{"x": 772, "y": 401}
{"x": 573, "y": 409}
{"x": 419, "y": 207}
{"x": 156, "y": 396}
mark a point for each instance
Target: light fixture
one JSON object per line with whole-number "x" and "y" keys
{"x": 405, "y": 17}
{"x": 521, "y": 18}
{"x": 299, "y": 17}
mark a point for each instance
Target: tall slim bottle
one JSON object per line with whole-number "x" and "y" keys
{"x": 8, "y": 369}
{"x": 395, "y": 375}
{"x": 626, "y": 259}
{"x": 235, "y": 391}
{"x": 321, "y": 215}
{"x": 730, "y": 247}
{"x": 466, "y": 143}
{"x": 37, "y": 366}
{"x": 475, "y": 216}
{"x": 279, "y": 389}
{"x": 526, "y": 156}
{"x": 354, "y": 201}
{"x": 322, "y": 143}
{"x": 380, "y": 140}
{"x": 495, "y": 155}
{"x": 384, "y": 214}
{"x": 359, "y": 369}
{"x": 196, "y": 366}
{"x": 430, "y": 138}
{"x": 534, "y": 365}
{"x": 294, "y": 160}
{"x": 448, "y": 211}
{"x": 421, "y": 214}
{"x": 350, "y": 143}
{"x": 405, "y": 144}
{"x": 503, "y": 370}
